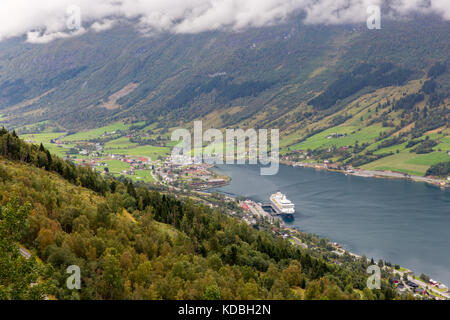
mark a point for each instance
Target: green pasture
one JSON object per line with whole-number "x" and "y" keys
{"x": 351, "y": 136}
{"x": 96, "y": 133}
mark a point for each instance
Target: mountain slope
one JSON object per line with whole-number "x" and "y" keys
{"x": 182, "y": 74}
{"x": 298, "y": 78}
{"x": 134, "y": 243}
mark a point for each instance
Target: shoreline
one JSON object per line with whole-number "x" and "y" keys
{"x": 441, "y": 183}
{"x": 411, "y": 275}
{"x": 337, "y": 246}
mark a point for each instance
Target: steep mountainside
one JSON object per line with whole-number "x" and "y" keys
{"x": 301, "y": 79}
{"x": 120, "y": 73}
{"x": 134, "y": 243}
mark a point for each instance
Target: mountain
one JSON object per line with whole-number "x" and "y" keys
{"x": 131, "y": 242}
{"x": 381, "y": 89}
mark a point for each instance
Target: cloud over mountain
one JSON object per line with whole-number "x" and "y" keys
{"x": 46, "y": 20}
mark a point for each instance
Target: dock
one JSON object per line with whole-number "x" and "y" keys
{"x": 257, "y": 210}
{"x": 269, "y": 208}
{"x": 263, "y": 210}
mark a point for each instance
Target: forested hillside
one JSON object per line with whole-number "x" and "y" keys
{"x": 134, "y": 243}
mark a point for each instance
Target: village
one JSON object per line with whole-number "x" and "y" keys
{"x": 184, "y": 174}
{"x": 112, "y": 153}
{"x": 165, "y": 171}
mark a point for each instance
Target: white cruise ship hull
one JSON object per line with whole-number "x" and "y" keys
{"x": 278, "y": 208}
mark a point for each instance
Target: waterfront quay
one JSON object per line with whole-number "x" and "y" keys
{"x": 256, "y": 209}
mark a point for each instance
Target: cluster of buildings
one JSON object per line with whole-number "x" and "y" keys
{"x": 254, "y": 212}
{"x": 321, "y": 166}
{"x": 335, "y": 136}
{"x": 184, "y": 171}
{"x": 438, "y": 285}
{"x": 138, "y": 163}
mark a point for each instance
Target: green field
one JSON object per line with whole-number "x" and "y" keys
{"x": 399, "y": 147}
{"x": 142, "y": 175}
{"x": 122, "y": 142}
{"x": 403, "y": 161}
{"x": 444, "y": 144}
{"x": 42, "y": 137}
{"x": 120, "y": 145}
{"x": 116, "y": 166}
{"x": 96, "y": 133}
{"x": 143, "y": 151}
{"x": 429, "y": 159}
{"x": 352, "y": 135}
{"x": 45, "y": 139}
{"x": 407, "y": 162}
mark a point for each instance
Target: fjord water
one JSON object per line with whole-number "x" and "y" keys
{"x": 399, "y": 221}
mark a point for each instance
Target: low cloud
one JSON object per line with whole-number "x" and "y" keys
{"x": 46, "y": 20}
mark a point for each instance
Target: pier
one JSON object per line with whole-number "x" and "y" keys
{"x": 257, "y": 209}
{"x": 263, "y": 210}
{"x": 269, "y": 208}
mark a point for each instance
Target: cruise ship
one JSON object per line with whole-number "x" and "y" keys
{"x": 281, "y": 204}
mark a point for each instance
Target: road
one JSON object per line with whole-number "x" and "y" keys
{"x": 258, "y": 211}
{"x": 424, "y": 285}
{"x": 299, "y": 243}
{"x": 372, "y": 173}
{"x": 396, "y": 175}
{"x": 429, "y": 287}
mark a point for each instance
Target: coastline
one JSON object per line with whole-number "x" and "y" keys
{"x": 339, "y": 249}
{"x": 441, "y": 183}
{"x": 294, "y": 235}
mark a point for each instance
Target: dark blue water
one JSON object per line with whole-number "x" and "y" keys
{"x": 396, "y": 220}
